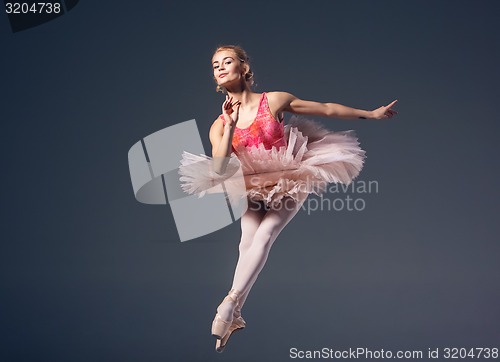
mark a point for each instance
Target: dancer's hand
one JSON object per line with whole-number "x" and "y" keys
{"x": 230, "y": 113}
{"x": 384, "y": 111}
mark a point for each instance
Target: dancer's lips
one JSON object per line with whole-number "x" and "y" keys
{"x": 222, "y": 75}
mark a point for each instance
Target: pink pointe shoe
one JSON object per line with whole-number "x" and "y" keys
{"x": 221, "y": 327}
{"x": 237, "y": 324}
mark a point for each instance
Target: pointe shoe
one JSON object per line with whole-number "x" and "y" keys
{"x": 237, "y": 324}
{"x": 220, "y": 327}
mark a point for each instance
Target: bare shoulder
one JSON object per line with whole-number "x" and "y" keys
{"x": 216, "y": 129}
{"x": 218, "y": 122}
{"x": 279, "y": 101}
{"x": 217, "y": 126}
{"x": 279, "y": 97}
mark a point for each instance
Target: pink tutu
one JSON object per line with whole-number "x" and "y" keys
{"x": 313, "y": 157}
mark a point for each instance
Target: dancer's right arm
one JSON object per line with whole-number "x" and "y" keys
{"x": 221, "y": 135}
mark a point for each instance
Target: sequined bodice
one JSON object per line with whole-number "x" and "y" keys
{"x": 264, "y": 129}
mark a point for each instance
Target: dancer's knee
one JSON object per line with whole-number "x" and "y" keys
{"x": 245, "y": 243}
{"x": 264, "y": 239}
{"x": 244, "y": 247}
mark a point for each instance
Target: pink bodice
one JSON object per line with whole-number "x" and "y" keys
{"x": 264, "y": 129}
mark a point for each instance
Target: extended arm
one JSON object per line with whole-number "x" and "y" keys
{"x": 292, "y": 104}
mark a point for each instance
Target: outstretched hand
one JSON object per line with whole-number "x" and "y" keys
{"x": 228, "y": 111}
{"x": 384, "y": 111}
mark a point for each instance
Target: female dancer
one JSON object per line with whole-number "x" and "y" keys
{"x": 252, "y": 127}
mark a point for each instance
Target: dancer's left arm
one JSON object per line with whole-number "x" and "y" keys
{"x": 289, "y": 103}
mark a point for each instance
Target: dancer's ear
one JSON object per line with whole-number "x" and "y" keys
{"x": 245, "y": 69}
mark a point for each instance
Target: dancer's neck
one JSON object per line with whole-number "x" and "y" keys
{"x": 245, "y": 96}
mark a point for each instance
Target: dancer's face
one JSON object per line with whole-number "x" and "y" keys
{"x": 227, "y": 68}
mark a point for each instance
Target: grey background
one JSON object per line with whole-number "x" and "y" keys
{"x": 90, "y": 274}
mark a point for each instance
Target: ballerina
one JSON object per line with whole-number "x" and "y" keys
{"x": 251, "y": 127}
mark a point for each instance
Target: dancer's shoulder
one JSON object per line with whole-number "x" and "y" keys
{"x": 279, "y": 95}
{"x": 217, "y": 125}
{"x": 279, "y": 100}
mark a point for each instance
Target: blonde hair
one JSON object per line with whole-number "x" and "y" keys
{"x": 242, "y": 57}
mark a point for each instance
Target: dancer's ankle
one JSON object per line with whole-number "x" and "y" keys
{"x": 237, "y": 311}
{"x": 229, "y": 305}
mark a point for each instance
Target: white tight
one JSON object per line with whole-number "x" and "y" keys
{"x": 259, "y": 230}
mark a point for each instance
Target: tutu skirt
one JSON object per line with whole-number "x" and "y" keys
{"x": 313, "y": 157}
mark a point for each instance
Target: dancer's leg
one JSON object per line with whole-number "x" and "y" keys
{"x": 250, "y": 222}
{"x": 253, "y": 260}
{"x": 270, "y": 227}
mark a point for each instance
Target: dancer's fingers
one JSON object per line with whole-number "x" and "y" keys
{"x": 392, "y": 103}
